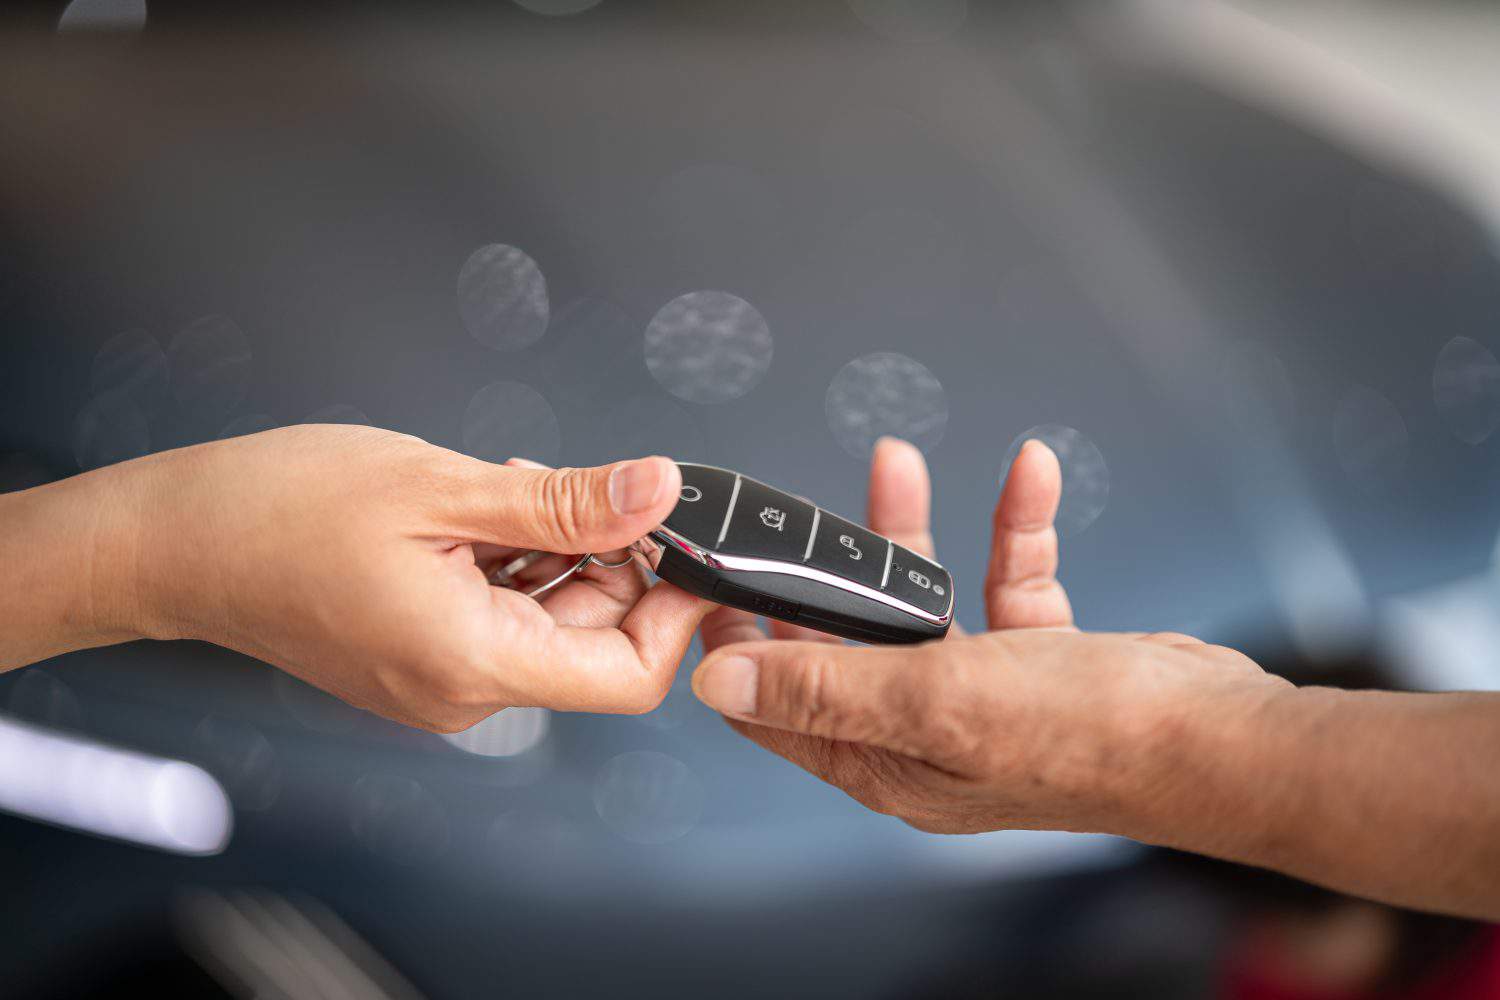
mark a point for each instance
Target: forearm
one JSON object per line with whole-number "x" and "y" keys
{"x": 1390, "y": 796}
{"x": 67, "y": 562}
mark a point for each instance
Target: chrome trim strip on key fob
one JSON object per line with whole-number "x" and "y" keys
{"x": 744, "y": 544}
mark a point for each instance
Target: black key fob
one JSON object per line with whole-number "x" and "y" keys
{"x": 744, "y": 544}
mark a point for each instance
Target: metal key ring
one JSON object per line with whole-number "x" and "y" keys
{"x": 503, "y": 576}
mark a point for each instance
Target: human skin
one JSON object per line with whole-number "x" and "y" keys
{"x": 1158, "y": 737}
{"x": 355, "y": 559}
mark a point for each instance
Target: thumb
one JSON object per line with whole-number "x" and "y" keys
{"x": 573, "y": 510}
{"x": 880, "y": 696}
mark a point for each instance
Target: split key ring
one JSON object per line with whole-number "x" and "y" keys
{"x": 505, "y": 575}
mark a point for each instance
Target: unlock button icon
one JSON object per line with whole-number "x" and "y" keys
{"x": 848, "y": 542}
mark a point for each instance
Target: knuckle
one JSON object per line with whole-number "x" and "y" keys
{"x": 563, "y": 504}
{"x": 805, "y": 695}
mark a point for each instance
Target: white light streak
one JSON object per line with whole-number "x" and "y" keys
{"x": 79, "y": 783}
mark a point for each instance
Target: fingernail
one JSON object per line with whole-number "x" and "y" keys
{"x": 635, "y": 486}
{"x": 524, "y": 463}
{"x": 728, "y": 685}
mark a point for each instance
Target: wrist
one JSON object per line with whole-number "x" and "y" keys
{"x": 163, "y": 587}
{"x": 112, "y": 503}
{"x": 130, "y": 548}
{"x": 69, "y": 582}
{"x": 1200, "y": 769}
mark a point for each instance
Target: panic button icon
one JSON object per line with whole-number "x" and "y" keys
{"x": 773, "y": 518}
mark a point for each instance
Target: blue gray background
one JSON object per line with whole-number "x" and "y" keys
{"x": 1241, "y": 317}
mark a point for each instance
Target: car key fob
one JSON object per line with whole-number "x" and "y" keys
{"x": 746, "y": 545}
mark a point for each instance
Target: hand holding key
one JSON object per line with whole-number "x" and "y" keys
{"x": 351, "y": 557}
{"x": 974, "y": 733}
{"x": 1157, "y": 737}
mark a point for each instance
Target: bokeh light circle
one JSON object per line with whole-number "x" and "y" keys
{"x": 1085, "y": 475}
{"x": 708, "y": 347}
{"x": 39, "y": 696}
{"x": 1466, "y": 389}
{"x": 502, "y": 298}
{"x": 648, "y": 797}
{"x": 1370, "y": 437}
{"x": 511, "y": 420}
{"x": 885, "y": 393}
{"x": 133, "y": 364}
{"x": 504, "y": 734}
{"x": 210, "y": 362}
{"x": 109, "y": 428}
{"x": 397, "y": 819}
{"x": 242, "y": 759}
{"x": 912, "y": 20}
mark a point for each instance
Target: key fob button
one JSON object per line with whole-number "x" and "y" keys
{"x": 768, "y": 524}
{"x": 918, "y": 581}
{"x": 847, "y": 550}
{"x": 699, "y": 514}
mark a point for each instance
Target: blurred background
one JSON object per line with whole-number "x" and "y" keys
{"x": 1234, "y": 261}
